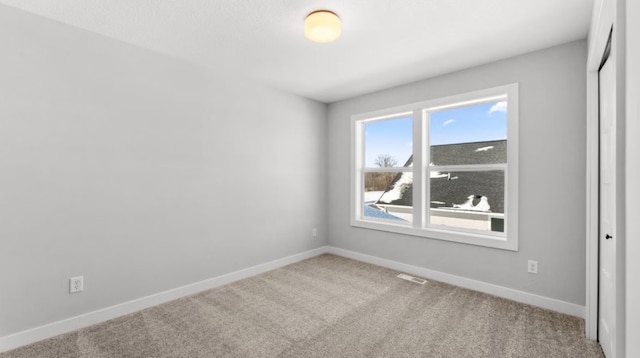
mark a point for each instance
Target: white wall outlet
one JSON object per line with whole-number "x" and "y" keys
{"x": 76, "y": 284}
{"x": 314, "y": 232}
{"x": 532, "y": 267}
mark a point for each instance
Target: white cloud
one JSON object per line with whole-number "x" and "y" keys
{"x": 499, "y": 107}
{"x": 448, "y": 121}
{"x": 410, "y": 144}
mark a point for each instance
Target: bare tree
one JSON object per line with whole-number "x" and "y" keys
{"x": 381, "y": 181}
{"x": 385, "y": 161}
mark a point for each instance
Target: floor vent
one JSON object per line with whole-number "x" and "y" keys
{"x": 412, "y": 279}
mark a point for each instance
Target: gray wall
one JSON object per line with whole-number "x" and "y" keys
{"x": 140, "y": 172}
{"x": 552, "y": 93}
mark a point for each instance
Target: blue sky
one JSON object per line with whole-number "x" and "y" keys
{"x": 482, "y": 122}
{"x": 392, "y": 137}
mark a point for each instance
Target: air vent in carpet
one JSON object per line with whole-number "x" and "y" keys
{"x": 412, "y": 279}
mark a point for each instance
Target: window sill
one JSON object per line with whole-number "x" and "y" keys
{"x": 505, "y": 243}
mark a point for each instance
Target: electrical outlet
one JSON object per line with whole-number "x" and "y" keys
{"x": 314, "y": 232}
{"x": 532, "y": 267}
{"x": 76, "y": 284}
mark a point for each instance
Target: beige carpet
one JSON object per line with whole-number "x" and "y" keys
{"x": 329, "y": 306}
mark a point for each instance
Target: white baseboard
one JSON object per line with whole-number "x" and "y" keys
{"x": 56, "y": 328}
{"x": 515, "y": 295}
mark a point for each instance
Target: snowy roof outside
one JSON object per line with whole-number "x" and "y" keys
{"x": 468, "y": 190}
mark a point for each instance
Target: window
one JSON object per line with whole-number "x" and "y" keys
{"x": 444, "y": 168}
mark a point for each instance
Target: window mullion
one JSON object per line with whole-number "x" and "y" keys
{"x": 467, "y": 168}
{"x": 424, "y": 165}
{"x": 418, "y": 188}
{"x": 388, "y": 170}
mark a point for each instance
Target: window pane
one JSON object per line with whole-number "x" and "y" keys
{"x": 388, "y": 143}
{"x": 474, "y": 134}
{"x": 468, "y": 199}
{"x": 388, "y": 196}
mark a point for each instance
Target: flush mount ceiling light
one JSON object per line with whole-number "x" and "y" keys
{"x": 322, "y": 26}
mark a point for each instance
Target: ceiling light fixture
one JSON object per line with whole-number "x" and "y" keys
{"x": 322, "y": 26}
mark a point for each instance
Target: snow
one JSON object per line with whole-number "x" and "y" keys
{"x": 483, "y": 205}
{"x": 484, "y": 149}
{"x": 372, "y": 196}
{"x": 468, "y": 205}
{"x": 396, "y": 192}
{"x": 437, "y": 175}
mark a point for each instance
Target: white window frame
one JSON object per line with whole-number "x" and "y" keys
{"x": 420, "y": 113}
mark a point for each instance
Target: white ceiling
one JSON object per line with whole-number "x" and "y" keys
{"x": 384, "y": 42}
